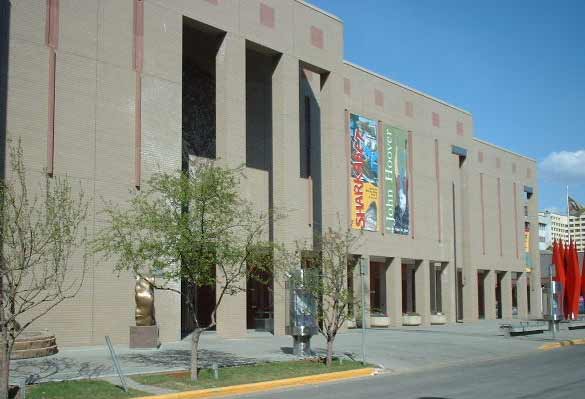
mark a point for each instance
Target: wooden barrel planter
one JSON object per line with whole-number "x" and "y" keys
{"x": 34, "y": 344}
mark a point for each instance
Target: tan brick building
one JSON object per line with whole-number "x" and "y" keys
{"x": 110, "y": 91}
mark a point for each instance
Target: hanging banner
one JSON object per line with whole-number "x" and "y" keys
{"x": 396, "y": 210}
{"x": 365, "y": 191}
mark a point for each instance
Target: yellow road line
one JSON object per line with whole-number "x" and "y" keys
{"x": 561, "y": 344}
{"x": 245, "y": 389}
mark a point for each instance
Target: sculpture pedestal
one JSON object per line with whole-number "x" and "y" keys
{"x": 144, "y": 337}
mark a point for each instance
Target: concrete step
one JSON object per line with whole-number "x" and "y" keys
{"x": 34, "y": 344}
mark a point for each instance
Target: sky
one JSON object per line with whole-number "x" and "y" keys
{"x": 518, "y": 66}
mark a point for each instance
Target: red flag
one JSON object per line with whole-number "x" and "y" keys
{"x": 576, "y": 282}
{"x": 557, "y": 260}
{"x": 563, "y": 251}
{"x": 583, "y": 277}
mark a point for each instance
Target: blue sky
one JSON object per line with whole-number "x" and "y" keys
{"x": 518, "y": 66}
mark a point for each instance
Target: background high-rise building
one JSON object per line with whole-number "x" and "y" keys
{"x": 544, "y": 230}
{"x": 553, "y": 226}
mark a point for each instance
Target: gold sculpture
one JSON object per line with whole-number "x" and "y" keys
{"x": 144, "y": 297}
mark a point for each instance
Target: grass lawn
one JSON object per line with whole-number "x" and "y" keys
{"x": 244, "y": 374}
{"x": 82, "y": 389}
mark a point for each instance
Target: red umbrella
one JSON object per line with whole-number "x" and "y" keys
{"x": 576, "y": 280}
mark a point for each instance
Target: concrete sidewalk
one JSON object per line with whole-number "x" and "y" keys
{"x": 396, "y": 349}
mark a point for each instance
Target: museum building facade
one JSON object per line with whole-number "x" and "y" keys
{"x": 109, "y": 92}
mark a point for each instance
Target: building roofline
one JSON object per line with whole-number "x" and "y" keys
{"x": 361, "y": 68}
{"x": 504, "y": 149}
{"x": 320, "y": 10}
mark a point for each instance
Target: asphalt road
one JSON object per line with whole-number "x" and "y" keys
{"x": 555, "y": 374}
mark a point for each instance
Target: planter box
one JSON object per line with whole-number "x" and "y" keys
{"x": 438, "y": 319}
{"x": 379, "y": 321}
{"x": 142, "y": 337}
{"x": 351, "y": 323}
{"x": 411, "y": 320}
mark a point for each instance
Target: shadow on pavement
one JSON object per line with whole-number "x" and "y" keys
{"x": 58, "y": 368}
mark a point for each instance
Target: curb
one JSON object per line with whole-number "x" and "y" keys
{"x": 562, "y": 344}
{"x": 245, "y": 389}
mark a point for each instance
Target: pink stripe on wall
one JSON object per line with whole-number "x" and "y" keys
{"x": 52, "y": 41}
{"x": 460, "y": 129}
{"x": 52, "y": 24}
{"x": 266, "y": 15}
{"x": 516, "y": 221}
{"x": 500, "y": 214}
{"x": 138, "y": 35}
{"x": 138, "y": 62}
{"x": 346, "y": 86}
{"x": 436, "y": 120}
{"x": 482, "y": 204}
{"x": 317, "y": 37}
{"x": 409, "y": 109}
{"x": 51, "y": 124}
{"x": 411, "y": 180}
{"x": 438, "y": 181}
{"x": 379, "y": 98}
{"x": 310, "y": 200}
{"x": 138, "y": 132}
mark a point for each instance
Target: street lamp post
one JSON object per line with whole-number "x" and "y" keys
{"x": 363, "y": 291}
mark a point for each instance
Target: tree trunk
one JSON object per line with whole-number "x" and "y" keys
{"x": 329, "y": 360}
{"x": 194, "y": 345}
{"x": 4, "y": 367}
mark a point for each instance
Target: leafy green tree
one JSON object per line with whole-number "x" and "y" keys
{"x": 193, "y": 227}
{"x": 43, "y": 255}
{"x": 326, "y": 262}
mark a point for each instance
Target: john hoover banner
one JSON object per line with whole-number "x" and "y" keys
{"x": 365, "y": 191}
{"x": 396, "y": 210}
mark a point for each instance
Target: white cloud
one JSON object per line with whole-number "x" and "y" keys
{"x": 564, "y": 167}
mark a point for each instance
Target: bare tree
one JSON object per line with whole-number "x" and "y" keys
{"x": 41, "y": 234}
{"x": 326, "y": 262}
{"x": 192, "y": 227}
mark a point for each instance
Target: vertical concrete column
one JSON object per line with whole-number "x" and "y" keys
{"x": 230, "y": 94}
{"x": 284, "y": 176}
{"x": 522, "y": 300}
{"x": 489, "y": 289}
{"x": 535, "y": 275}
{"x": 393, "y": 277}
{"x": 448, "y": 292}
{"x": 506, "y": 290}
{"x": 365, "y": 287}
{"x": 231, "y": 151}
{"x": 422, "y": 283}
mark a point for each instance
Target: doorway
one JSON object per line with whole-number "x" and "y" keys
{"x": 459, "y": 294}
{"x": 377, "y": 289}
{"x": 499, "y": 278}
{"x": 481, "y": 275}
{"x": 198, "y": 299}
{"x": 260, "y": 302}
{"x": 408, "y": 289}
